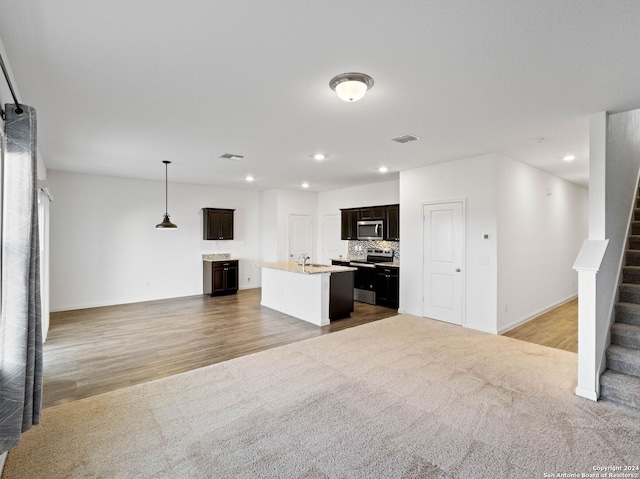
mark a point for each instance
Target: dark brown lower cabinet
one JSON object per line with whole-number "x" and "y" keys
{"x": 220, "y": 277}
{"x": 387, "y": 286}
{"x": 340, "y": 295}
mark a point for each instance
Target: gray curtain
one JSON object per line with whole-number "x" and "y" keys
{"x": 20, "y": 322}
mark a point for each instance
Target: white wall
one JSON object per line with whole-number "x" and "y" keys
{"x": 270, "y": 225}
{"x": 533, "y": 237}
{"x": 622, "y": 163}
{"x": 330, "y": 203}
{"x": 105, "y": 248}
{"x": 278, "y": 205}
{"x": 473, "y": 179}
{"x": 542, "y": 222}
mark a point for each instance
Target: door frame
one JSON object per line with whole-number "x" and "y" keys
{"x": 463, "y": 288}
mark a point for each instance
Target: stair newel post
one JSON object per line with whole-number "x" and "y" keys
{"x": 587, "y": 265}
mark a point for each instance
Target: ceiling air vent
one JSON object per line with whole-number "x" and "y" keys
{"x": 406, "y": 138}
{"x": 231, "y": 156}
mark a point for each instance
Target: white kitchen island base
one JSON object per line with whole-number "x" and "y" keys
{"x": 304, "y": 296}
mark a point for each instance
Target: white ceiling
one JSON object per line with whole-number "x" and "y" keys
{"x": 120, "y": 85}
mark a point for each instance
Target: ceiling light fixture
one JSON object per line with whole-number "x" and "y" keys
{"x": 166, "y": 223}
{"x": 383, "y": 169}
{"x": 249, "y": 178}
{"x": 319, "y": 156}
{"x": 351, "y": 86}
{"x": 305, "y": 185}
{"x": 569, "y": 158}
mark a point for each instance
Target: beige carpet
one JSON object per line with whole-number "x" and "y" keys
{"x": 404, "y": 397}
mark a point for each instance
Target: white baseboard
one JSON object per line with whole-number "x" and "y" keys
{"x": 586, "y": 394}
{"x": 3, "y": 458}
{"x": 521, "y": 321}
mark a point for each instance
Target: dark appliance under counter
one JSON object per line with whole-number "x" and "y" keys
{"x": 366, "y": 277}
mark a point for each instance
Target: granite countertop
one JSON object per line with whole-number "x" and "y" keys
{"x": 393, "y": 264}
{"x": 218, "y": 257}
{"x": 294, "y": 267}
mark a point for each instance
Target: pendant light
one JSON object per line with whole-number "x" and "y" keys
{"x": 166, "y": 223}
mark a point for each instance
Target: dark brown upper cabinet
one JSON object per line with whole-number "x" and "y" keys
{"x": 389, "y": 213}
{"x": 392, "y": 226}
{"x": 217, "y": 223}
{"x": 373, "y": 213}
{"x": 349, "y": 228}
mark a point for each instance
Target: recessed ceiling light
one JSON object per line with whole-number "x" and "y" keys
{"x": 540, "y": 139}
{"x": 249, "y": 178}
{"x": 569, "y": 158}
{"x": 319, "y": 156}
{"x": 383, "y": 169}
{"x": 305, "y": 185}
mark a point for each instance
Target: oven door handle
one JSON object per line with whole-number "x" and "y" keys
{"x": 362, "y": 265}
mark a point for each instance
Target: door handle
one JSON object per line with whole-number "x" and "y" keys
{"x": 457, "y": 270}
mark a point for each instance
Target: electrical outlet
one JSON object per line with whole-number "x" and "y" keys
{"x": 506, "y": 307}
{"x": 249, "y": 279}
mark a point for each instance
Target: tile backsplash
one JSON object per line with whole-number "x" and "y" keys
{"x": 358, "y": 248}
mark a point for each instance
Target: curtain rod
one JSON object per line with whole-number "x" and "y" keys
{"x": 13, "y": 93}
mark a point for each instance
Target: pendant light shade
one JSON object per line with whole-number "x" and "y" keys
{"x": 166, "y": 222}
{"x": 351, "y": 86}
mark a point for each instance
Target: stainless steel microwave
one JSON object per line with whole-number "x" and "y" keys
{"x": 370, "y": 230}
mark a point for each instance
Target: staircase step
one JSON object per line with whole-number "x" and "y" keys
{"x": 628, "y": 313}
{"x": 629, "y": 293}
{"x": 635, "y": 227}
{"x": 632, "y": 257}
{"x": 623, "y": 334}
{"x": 634, "y": 241}
{"x": 636, "y": 214}
{"x": 623, "y": 360}
{"x": 620, "y": 389}
{"x": 631, "y": 274}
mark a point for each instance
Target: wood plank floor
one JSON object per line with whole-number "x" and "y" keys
{"x": 557, "y": 328}
{"x": 92, "y": 351}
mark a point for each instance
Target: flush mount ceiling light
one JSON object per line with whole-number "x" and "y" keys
{"x": 319, "y": 156}
{"x": 305, "y": 185}
{"x": 166, "y": 223}
{"x": 383, "y": 169}
{"x": 249, "y": 178}
{"x": 569, "y": 158}
{"x": 351, "y": 86}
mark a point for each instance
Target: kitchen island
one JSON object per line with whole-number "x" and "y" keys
{"x": 314, "y": 293}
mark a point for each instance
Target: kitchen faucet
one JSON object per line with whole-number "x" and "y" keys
{"x": 304, "y": 259}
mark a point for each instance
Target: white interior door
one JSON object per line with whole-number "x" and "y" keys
{"x": 332, "y": 246}
{"x": 299, "y": 235}
{"x": 443, "y": 261}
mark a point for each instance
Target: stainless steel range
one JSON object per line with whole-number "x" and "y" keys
{"x": 365, "y": 277}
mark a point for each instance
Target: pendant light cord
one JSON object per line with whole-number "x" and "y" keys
{"x": 166, "y": 188}
{"x": 19, "y": 110}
